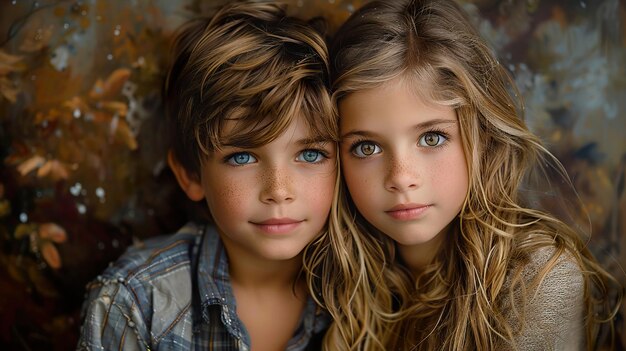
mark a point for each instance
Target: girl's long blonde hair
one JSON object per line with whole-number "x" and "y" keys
{"x": 457, "y": 302}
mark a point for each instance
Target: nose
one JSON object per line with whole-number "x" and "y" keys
{"x": 401, "y": 175}
{"x": 277, "y": 187}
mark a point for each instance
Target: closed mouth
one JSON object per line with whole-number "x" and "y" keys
{"x": 278, "y": 225}
{"x": 407, "y": 211}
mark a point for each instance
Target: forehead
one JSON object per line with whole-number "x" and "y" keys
{"x": 249, "y": 133}
{"x": 256, "y": 125}
{"x": 390, "y": 105}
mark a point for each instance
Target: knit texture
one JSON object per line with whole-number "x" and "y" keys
{"x": 553, "y": 312}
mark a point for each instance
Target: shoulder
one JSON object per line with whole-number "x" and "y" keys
{"x": 552, "y": 302}
{"x": 547, "y": 270}
{"x": 158, "y": 262}
{"x": 147, "y": 260}
{"x": 156, "y": 273}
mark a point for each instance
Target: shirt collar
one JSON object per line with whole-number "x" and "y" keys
{"x": 215, "y": 289}
{"x": 214, "y": 285}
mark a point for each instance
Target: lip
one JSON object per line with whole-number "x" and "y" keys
{"x": 406, "y": 212}
{"x": 278, "y": 225}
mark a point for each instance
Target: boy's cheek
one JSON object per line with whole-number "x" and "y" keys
{"x": 321, "y": 191}
{"x": 227, "y": 196}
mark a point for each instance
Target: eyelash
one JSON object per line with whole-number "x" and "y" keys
{"x": 229, "y": 159}
{"x": 438, "y": 132}
{"x": 321, "y": 152}
{"x": 358, "y": 143}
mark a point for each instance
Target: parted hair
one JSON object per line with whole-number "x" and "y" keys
{"x": 249, "y": 62}
{"x": 458, "y": 301}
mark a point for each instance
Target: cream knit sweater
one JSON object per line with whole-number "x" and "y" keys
{"x": 554, "y": 309}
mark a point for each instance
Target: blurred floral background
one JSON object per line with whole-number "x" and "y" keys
{"x": 82, "y": 168}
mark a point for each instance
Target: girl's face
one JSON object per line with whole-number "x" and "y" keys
{"x": 403, "y": 162}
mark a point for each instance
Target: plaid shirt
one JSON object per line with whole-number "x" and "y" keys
{"x": 175, "y": 294}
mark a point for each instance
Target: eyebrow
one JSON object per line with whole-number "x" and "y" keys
{"x": 314, "y": 140}
{"x": 420, "y": 126}
{"x": 302, "y": 142}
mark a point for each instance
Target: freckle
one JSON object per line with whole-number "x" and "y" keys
{"x": 230, "y": 193}
{"x": 401, "y": 168}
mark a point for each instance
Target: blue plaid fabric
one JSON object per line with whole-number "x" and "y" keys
{"x": 174, "y": 293}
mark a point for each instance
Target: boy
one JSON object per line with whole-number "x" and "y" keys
{"x": 253, "y": 134}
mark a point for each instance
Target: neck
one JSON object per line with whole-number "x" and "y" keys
{"x": 419, "y": 256}
{"x": 251, "y": 271}
{"x": 260, "y": 274}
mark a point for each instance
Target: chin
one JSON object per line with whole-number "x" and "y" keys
{"x": 281, "y": 255}
{"x": 406, "y": 239}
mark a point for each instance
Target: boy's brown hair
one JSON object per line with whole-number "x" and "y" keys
{"x": 251, "y": 63}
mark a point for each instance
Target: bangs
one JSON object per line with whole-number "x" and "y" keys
{"x": 437, "y": 84}
{"x": 431, "y": 77}
{"x": 255, "y": 126}
{"x": 250, "y": 96}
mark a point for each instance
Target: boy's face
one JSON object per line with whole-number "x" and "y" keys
{"x": 269, "y": 202}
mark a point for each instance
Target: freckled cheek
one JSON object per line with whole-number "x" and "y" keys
{"x": 229, "y": 198}
{"x": 450, "y": 176}
{"x": 319, "y": 192}
{"x": 360, "y": 181}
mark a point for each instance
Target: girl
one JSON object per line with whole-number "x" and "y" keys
{"x": 442, "y": 249}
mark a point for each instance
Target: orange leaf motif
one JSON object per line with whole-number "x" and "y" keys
{"x": 8, "y": 89}
{"x": 53, "y": 232}
{"x": 51, "y": 255}
{"x": 54, "y": 169}
{"x": 112, "y": 86}
{"x": 31, "y": 164}
{"x": 10, "y": 63}
{"x": 126, "y": 135}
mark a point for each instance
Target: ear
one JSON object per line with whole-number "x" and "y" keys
{"x": 189, "y": 183}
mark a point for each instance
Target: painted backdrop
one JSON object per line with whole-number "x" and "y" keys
{"x": 82, "y": 171}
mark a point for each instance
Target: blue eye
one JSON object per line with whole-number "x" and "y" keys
{"x": 311, "y": 156}
{"x": 432, "y": 139}
{"x": 241, "y": 158}
{"x": 365, "y": 149}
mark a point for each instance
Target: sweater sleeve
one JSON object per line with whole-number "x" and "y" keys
{"x": 111, "y": 319}
{"x": 554, "y": 310}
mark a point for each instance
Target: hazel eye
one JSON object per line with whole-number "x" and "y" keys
{"x": 241, "y": 158}
{"x": 365, "y": 149}
{"x": 311, "y": 156}
{"x": 431, "y": 139}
